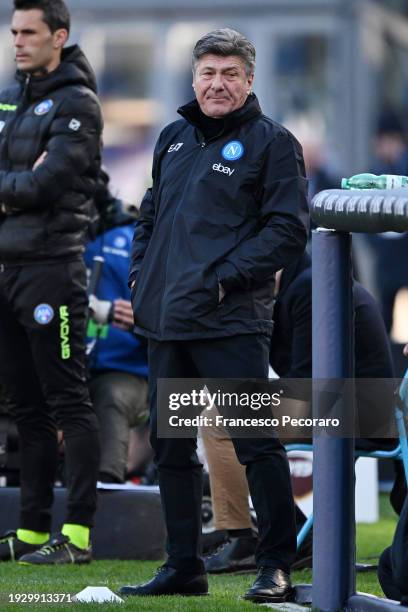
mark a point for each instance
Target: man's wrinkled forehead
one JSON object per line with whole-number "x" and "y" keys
{"x": 211, "y": 61}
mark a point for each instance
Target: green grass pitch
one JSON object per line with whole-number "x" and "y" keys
{"x": 224, "y": 590}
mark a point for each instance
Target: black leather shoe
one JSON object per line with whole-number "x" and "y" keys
{"x": 213, "y": 540}
{"x": 272, "y": 585}
{"x": 169, "y": 581}
{"x": 235, "y": 555}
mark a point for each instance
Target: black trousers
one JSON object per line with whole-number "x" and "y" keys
{"x": 180, "y": 472}
{"x": 42, "y": 367}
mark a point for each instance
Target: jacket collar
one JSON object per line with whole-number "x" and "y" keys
{"x": 250, "y": 110}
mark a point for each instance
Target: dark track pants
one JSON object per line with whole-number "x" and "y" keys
{"x": 42, "y": 367}
{"x": 180, "y": 472}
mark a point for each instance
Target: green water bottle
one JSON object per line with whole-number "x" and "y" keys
{"x": 372, "y": 181}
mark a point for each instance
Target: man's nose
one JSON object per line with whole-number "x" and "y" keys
{"x": 217, "y": 82}
{"x": 18, "y": 40}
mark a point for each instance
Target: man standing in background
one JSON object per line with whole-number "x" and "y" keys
{"x": 50, "y": 136}
{"x": 117, "y": 360}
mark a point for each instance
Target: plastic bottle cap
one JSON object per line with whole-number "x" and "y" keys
{"x": 344, "y": 184}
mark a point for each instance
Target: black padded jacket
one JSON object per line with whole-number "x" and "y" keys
{"x": 44, "y": 212}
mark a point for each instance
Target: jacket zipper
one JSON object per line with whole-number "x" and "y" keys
{"x": 21, "y": 108}
{"x": 202, "y": 146}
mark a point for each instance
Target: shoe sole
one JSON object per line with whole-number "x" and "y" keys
{"x": 48, "y": 564}
{"x": 290, "y": 596}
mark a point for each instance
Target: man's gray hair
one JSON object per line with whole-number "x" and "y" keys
{"x": 226, "y": 42}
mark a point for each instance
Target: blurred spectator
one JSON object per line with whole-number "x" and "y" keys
{"x": 390, "y": 152}
{"x": 117, "y": 359}
{"x": 309, "y": 130}
{"x": 381, "y": 258}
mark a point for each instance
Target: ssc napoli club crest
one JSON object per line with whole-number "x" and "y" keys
{"x": 44, "y": 107}
{"x": 43, "y": 314}
{"x": 233, "y": 150}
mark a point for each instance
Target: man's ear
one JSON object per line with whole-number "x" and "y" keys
{"x": 60, "y": 38}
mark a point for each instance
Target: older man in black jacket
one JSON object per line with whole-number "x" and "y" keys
{"x": 223, "y": 215}
{"x": 50, "y": 133}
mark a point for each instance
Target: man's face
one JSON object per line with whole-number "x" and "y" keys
{"x": 221, "y": 84}
{"x": 36, "y": 47}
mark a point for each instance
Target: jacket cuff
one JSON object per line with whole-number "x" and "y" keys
{"x": 228, "y": 276}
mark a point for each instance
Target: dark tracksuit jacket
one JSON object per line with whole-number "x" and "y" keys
{"x": 229, "y": 210}
{"x": 43, "y": 301}
{"x": 224, "y": 210}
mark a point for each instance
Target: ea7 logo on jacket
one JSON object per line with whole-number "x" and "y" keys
{"x": 223, "y": 169}
{"x": 175, "y": 147}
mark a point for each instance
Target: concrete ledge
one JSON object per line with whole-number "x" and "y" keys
{"x": 362, "y": 602}
{"x": 128, "y": 524}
